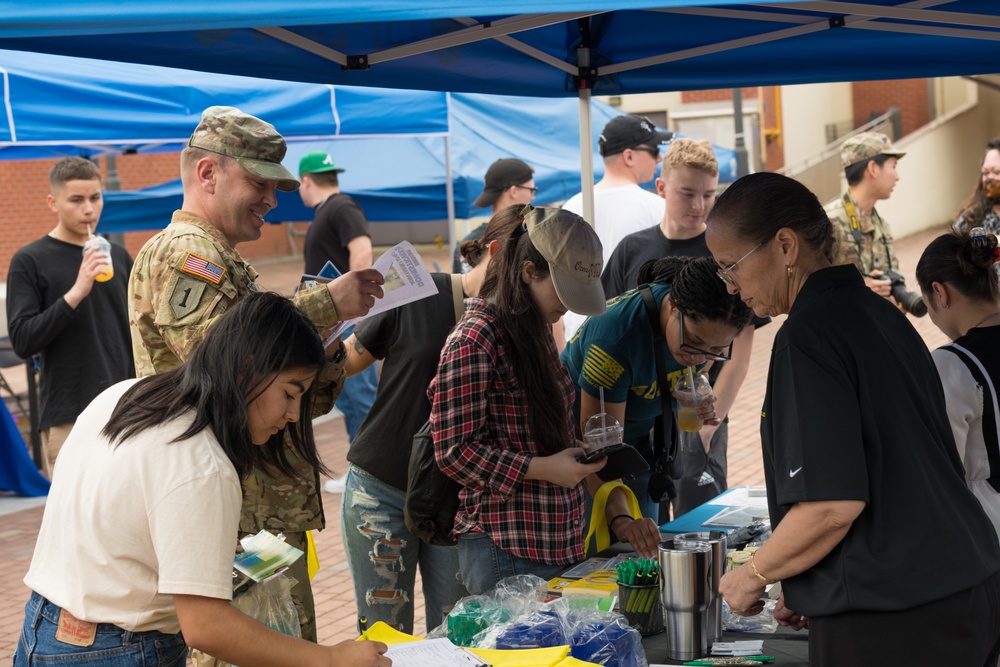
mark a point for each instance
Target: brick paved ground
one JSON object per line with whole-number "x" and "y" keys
{"x": 19, "y": 518}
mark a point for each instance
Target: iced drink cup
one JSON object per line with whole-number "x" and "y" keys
{"x": 107, "y": 270}
{"x": 688, "y": 401}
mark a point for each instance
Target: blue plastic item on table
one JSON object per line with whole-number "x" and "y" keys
{"x": 539, "y": 629}
{"x": 610, "y": 645}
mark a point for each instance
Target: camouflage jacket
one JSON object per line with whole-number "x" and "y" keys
{"x": 873, "y": 250}
{"x": 183, "y": 279}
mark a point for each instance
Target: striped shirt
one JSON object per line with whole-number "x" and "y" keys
{"x": 482, "y": 439}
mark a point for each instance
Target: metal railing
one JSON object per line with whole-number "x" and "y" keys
{"x": 821, "y": 171}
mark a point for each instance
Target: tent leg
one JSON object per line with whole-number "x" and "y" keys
{"x": 449, "y": 188}
{"x": 586, "y": 156}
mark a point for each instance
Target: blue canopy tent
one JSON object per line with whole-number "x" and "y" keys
{"x": 56, "y": 106}
{"x": 405, "y": 179}
{"x": 555, "y": 48}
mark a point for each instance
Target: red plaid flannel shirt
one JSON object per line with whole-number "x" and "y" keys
{"x": 482, "y": 439}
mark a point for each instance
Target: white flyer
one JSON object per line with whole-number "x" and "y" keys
{"x": 406, "y": 280}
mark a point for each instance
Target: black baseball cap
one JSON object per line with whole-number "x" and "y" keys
{"x": 501, "y": 175}
{"x": 628, "y": 132}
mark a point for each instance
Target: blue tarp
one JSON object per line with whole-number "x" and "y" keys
{"x": 404, "y": 179}
{"x": 17, "y": 471}
{"x": 58, "y": 106}
{"x": 524, "y": 47}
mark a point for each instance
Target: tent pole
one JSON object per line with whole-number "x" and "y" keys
{"x": 449, "y": 188}
{"x": 586, "y": 156}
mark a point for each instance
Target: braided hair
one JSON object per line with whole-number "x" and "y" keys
{"x": 696, "y": 290}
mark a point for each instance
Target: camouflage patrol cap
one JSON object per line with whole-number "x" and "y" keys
{"x": 865, "y": 146}
{"x": 254, "y": 144}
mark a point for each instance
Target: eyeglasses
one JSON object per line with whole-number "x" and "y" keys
{"x": 691, "y": 349}
{"x": 654, "y": 151}
{"x": 724, "y": 273}
{"x": 534, "y": 191}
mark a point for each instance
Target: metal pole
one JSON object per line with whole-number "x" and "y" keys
{"x": 586, "y": 138}
{"x": 112, "y": 184}
{"x": 449, "y": 189}
{"x": 586, "y": 157}
{"x": 742, "y": 159}
{"x": 33, "y": 411}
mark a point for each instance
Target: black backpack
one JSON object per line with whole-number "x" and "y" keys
{"x": 431, "y": 496}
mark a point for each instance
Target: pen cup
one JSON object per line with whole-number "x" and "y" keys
{"x": 641, "y": 607}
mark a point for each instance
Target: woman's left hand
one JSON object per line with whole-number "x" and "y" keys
{"x": 706, "y": 411}
{"x": 742, "y": 592}
{"x": 642, "y": 534}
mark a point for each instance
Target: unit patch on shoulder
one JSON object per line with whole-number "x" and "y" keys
{"x": 201, "y": 267}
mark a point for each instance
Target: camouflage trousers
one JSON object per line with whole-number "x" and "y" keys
{"x": 302, "y": 594}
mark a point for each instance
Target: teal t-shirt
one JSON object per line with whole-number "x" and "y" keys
{"x": 615, "y": 351}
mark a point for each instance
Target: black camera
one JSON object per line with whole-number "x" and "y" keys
{"x": 911, "y": 302}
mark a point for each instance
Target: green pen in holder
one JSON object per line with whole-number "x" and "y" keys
{"x": 639, "y": 596}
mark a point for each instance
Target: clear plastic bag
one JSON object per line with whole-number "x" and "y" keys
{"x": 268, "y": 601}
{"x": 514, "y": 616}
{"x": 762, "y": 622}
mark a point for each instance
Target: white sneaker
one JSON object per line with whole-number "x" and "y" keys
{"x": 335, "y": 485}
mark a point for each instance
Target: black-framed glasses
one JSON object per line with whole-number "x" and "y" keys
{"x": 691, "y": 349}
{"x": 654, "y": 151}
{"x": 724, "y": 273}
{"x": 534, "y": 191}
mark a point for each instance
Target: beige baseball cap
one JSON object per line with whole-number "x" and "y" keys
{"x": 575, "y": 257}
{"x": 254, "y": 144}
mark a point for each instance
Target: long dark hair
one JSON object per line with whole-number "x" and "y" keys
{"x": 500, "y": 226}
{"x": 963, "y": 262}
{"x": 696, "y": 290}
{"x": 758, "y": 205}
{"x": 234, "y": 363}
{"x": 528, "y": 335}
{"x": 975, "y": 208}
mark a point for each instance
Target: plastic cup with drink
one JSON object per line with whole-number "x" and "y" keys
{"x": 691, "y": 391}
{"x": 601, "y": 432}
{"x": 103, "y": 246}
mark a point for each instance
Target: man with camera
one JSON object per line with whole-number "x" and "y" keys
{"x": 862, "y": 237}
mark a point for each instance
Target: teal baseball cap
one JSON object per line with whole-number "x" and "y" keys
{"x": 317, "y": 163}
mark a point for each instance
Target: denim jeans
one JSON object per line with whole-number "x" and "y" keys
{"x": 356, "y": 399}
{"x": 383, "y": 557}
{"x": 112, "y": 647}
{"x": 483, "y": 563}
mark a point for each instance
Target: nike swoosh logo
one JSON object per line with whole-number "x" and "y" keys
{"x": 793, "y": 473}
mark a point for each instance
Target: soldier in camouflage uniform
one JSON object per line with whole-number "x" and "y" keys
{"x": 186, "y": 276}
{"x": 862, "y": 237}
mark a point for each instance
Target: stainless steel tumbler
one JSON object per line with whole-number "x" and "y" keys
{"x": 717, "y": 538}
{"x": 686, "y": 587}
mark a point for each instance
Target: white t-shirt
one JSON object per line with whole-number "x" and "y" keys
{"x": 127, "y": 527}
{"x": 964, "y": 401}
{"x": 618, "y": 212}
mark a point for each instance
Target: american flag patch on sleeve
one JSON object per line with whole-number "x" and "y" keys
{"x": 201, "y": 267}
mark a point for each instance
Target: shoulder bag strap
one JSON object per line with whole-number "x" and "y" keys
{"x": 599, "y": 523}
{"x": 664, "y": 428}
{"x": 457, "y": 295}
{"x": 991, "y": 417}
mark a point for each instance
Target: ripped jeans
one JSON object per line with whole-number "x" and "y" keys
{"x": 383, "y": 557}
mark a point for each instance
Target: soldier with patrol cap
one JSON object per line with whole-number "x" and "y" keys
{"x": 862, "y": 237}
{"x": 186, "y": 276}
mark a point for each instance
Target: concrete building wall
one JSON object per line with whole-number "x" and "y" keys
{"x": 806, "y": 110}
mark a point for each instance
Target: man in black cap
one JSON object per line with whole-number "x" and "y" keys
{"x": 508, "y": 181}
{"x": 630, "y": 146}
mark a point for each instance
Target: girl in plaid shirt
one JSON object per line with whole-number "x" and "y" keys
{"x": 502, "y": 408}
